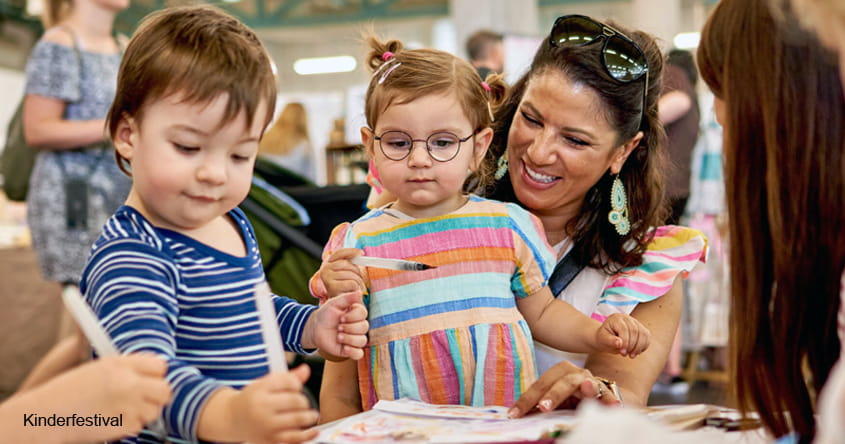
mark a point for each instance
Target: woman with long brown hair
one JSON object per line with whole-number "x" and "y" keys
{"x": 780, "y": 102}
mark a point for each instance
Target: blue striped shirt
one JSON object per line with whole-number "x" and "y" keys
{"x": 159, "y": 291}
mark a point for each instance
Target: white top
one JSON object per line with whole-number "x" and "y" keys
{"x": 674, "y": 250}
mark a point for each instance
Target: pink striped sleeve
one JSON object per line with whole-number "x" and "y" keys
{"x": 674, "y": 251}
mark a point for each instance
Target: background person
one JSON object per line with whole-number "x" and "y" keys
{"x": 287, "y": 143}
{"x": 680, "y": 115}
{"x": 486, "y": 52}
{"x": 781, "y": 105}
{"x": 75, "y": 184}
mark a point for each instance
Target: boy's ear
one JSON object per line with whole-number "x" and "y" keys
{"x": 125, "y": 137}
{"x": 482, "y": 141}
{"x": 367, "y": 138}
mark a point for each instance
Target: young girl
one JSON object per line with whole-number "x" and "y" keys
{"x": 457, "y": 333}
{"x": 173, "y": 271}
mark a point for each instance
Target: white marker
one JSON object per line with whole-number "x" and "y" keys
{"x": 270, "y": 328}
{"x": 390, "y": 264}
{"x": 88, "y": 322}
{"x": 97, "y": 336}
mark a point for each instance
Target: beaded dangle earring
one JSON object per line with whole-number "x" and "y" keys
{"x": 618, "y": 215}
{"x": 501, "y": 166}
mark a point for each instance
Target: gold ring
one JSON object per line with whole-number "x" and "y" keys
{"x": 600, "y": 386}
{"x": 610, "y": 385}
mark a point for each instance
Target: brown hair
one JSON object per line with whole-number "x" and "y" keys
{"x": 784, "y": 150}
{"x": 428, "y": 71}
{"x": 198, "y": 52}
{"x": 55, "y": 11}
{"x": 596, "y": 242}
{"x": 289, "y": 129}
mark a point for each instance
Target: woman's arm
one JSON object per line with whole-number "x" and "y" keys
{"x": 339, "y": 395}
{"x": 65, "y": 355}
{"x": 44, "y": 124}
{"x": 635, "y": 377}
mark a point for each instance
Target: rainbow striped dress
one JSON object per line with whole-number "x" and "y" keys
{"x": 452, "y": 334}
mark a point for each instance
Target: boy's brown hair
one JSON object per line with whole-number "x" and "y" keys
{"x": 198, "y": 52}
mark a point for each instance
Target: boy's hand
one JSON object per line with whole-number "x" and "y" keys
{"x": 338, "y": 328}
{"x": 273, "y": 409}
{"x": 339, "y": 275}
{"x": 622, "y": 334}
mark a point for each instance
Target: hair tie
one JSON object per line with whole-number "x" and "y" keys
{"x": 386, "y": 56}
{"x": 489, "y": 107}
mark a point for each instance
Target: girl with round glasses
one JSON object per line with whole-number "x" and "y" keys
{"x": 461, "y": 331}
{"x": 580, "y": 146}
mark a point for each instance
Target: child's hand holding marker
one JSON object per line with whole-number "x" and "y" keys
{"x": 341, "y": 273}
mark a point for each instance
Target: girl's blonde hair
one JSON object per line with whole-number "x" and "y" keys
{"x": 401, "y": 76}
{"x": 289, "y": 129}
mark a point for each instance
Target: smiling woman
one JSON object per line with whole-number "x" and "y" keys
{"x": 579, "y": 144}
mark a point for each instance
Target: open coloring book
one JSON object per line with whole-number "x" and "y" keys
{"x": 408, "y": 421}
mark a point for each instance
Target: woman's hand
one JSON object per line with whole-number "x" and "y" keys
{"x": 563, "y": 385}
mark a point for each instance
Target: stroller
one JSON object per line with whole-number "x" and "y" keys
{"x": 293, "y": 219}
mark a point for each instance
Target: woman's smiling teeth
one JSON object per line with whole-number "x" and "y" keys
{"x": 539, "y": 177}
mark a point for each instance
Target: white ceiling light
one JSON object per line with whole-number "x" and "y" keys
{"x": 687, "y": 40}
{"x": 324, "y": 65}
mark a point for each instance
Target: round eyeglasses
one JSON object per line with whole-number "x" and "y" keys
{"x": 442, "y": 146}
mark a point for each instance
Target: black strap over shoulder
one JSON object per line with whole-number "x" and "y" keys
{"x": 564, "y": 272}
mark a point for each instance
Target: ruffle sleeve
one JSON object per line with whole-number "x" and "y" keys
{"x": 674, "y": 250}
{"x": 53, "y": 71}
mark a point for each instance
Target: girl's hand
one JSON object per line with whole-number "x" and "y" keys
{"x": 338, "y": 328}
{"x": 563, "y": 385}
{"x": 273, "y": 409}
{"x": 622, "y": 334}
{"x": 339, "y": 275}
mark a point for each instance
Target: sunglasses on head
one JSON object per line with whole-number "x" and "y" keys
{"x": 623, "y": 59}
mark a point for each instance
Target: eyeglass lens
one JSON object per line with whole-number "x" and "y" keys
{"x": 397, "y": 145}
{"x": 622, "y": 58}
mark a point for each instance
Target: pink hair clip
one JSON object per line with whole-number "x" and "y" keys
{"x": 485, "y": 86}
{"x": 386, "y": 56}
